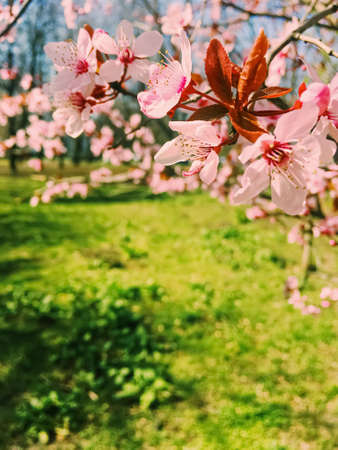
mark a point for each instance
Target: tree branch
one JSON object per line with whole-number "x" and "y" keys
{"x": 318, "y": 43}
{"x": 117, "y": 87}
{"x": 17, "y": 17}
{"x": 304, "y": 26}
{"x": 272, "y": 15}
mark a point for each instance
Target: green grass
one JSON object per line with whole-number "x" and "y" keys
{"x": 247, "y": 371}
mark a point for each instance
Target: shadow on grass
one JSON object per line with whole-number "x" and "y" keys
{"x": 65, "y": 366}
{"x": 38, "y": 227}
{"x": 23, "y": 360}
{"x": 9, "y": 266}
{"x": 116, "y": 194}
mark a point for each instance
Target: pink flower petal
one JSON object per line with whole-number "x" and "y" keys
{"x": 171, "y": 152}
{"x": 103, "y": 42}
{"x": 74, "y": 126}
{"x": 296, "y": 124}
{"x": 209, "y": 171}
{"x": 84, "y": 44}
{"x": 255, "y": 180}
{"x": 186, "y": 56}
{"x": 197, "y": 129}
{"x": 63, "y": 80}
{"x": 139, "y": 70}
{"x": 287, "y": 195}
{"x": 318, "y": 94}
{"x": 154, "y": 106}
{"x": 63, "y": 54}
{"x": 125, "y": 34}
{"x": 208, "y": 134}
{"x": 251, "y": 152}
{"x": 111, "y": 70}
{"x": 148, "y": 44}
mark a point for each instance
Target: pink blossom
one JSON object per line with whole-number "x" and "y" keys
{"x": 334, "y": 294}
{"x": 76, "y": 63}
{"x": 69, "y": 12}
{"x": 26, "y": 81}
{"x": 284, "y": 158}
{"x": 167, "y": 82}
{"x": 326, "y": 292}
{"x": 296, "y": 236}
{"x": 255, "y": 213}
{"x": 325, "y": 304}
{"x": 327, "y": 226}
{"x": 35, "y": 164}
{"x": 291, "y": 283}
{"x": 73, "y": 109}
{"x": 326, "y": 99}
{"x": 311, "y": 309}
{"x": 130, "y": 52}
{"x": 100, "y": 175}
{"x": 177, "y": 18}
{"x": 80, "y": 189}
{"x": 34, "y": 201}
{"x": 199, "y": 142}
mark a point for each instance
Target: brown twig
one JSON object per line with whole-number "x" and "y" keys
{"x": 272, "y": 15}
{"x": 17, "y": 17}
{"x": 304, "y": 26}
{"x": 116, "y": 86}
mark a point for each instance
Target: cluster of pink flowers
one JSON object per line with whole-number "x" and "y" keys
{"x": 72, "y": 10}
{"x": 299, "y": 301}
{"x": 55, "y": 190}
{"x": 91, "y": 72}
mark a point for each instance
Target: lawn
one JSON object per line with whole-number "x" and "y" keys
{"x": 212, "y": 357}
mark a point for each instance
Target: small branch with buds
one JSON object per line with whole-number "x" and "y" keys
{"x": 271, "y": 15}
{"x": 318, "y": 43}
{"x": 304, "y": 26}
{"x": 16, "y": 18}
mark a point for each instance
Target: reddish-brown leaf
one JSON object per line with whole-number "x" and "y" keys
{"x": 270, "y": 92}
{"x": 236, "y": 71}
{"x": 210, "y": 112}
{"x": 218, "y": 69}
{"x": 246, "y": 124}
{"x": 254, "y": 70}
{"x": 301, "y": 89}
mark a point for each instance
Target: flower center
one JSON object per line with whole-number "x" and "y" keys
{"x": 77, "y": 100}
{"x": 278, "y": 153}
{"x": 126, "y": 56}
{"x": 81, "y": 67}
